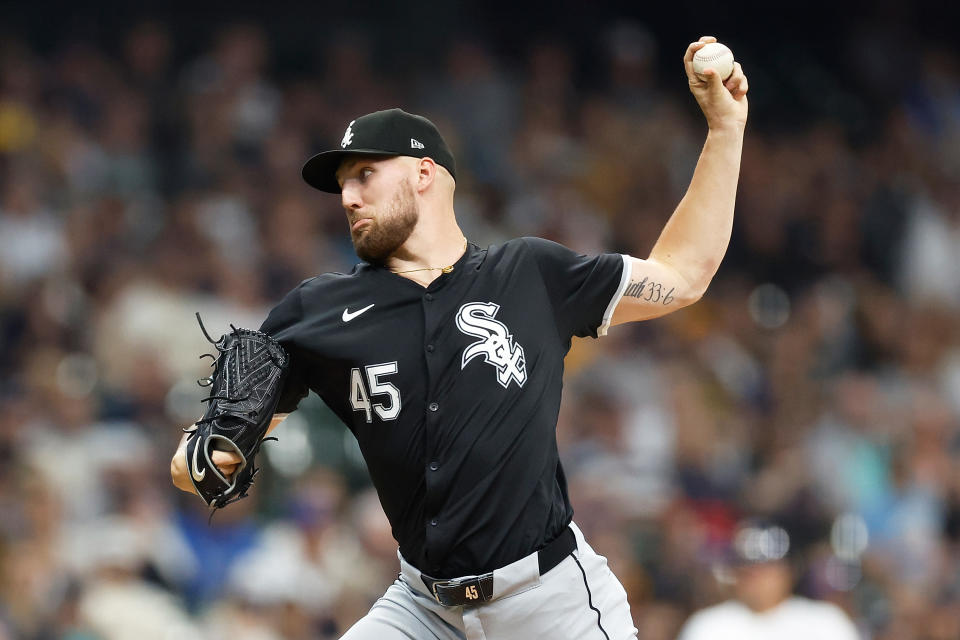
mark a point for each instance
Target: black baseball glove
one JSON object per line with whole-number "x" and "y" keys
{"x": 246, "y": 382}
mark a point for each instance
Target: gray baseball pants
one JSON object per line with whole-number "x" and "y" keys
{"x": 579, "y": 599}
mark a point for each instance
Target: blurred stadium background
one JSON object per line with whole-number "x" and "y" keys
{"x": 149, "y": 168}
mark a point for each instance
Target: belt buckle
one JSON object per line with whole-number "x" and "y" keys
{"x": 455, "y": 582}
{"x": 433, "y": 588}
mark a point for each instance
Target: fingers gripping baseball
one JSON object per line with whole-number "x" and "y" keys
{"x": 723, "y": 102}
{"x": 692, "y": 49}
{"x": 737, "y": 84}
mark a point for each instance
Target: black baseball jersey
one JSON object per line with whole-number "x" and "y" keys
{"x": 453, "y": 390}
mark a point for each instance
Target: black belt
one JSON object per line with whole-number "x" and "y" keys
{"x": 471, "y": 590}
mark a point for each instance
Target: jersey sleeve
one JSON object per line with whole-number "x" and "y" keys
{"x": 584, "y": 290}
{"x": 283, "y": 323}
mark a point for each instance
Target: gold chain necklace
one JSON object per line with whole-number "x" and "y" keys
{"x": 446, "y": 269}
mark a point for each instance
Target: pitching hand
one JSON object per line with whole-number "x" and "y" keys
{"x": 723, "y": 103}
{"x": 226, "y": 461}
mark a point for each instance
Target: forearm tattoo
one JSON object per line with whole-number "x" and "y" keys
{"x": 650, "y": 291}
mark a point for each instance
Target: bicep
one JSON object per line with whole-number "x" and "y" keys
{"x": 653, "y": 289}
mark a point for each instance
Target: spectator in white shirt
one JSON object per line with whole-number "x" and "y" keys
{"x": 763, "y": 607}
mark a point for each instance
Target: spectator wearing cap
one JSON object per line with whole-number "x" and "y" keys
{"x": 763, "y": 606}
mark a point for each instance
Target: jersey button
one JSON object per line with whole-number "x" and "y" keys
{"x": 433, "y": 406}
{"x": 433, "y": 522}
{"x": 429, "y": 348}
{"x": 434, "y": 466}
{"x": 428, "y": 297}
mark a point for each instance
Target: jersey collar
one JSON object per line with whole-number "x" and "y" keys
{"x": 471, "y": 260}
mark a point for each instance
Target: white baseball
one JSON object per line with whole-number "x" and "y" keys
{"x": 714, "y": 56}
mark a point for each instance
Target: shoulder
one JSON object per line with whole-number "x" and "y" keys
{"x": 525, "y": 244}
{"x": 326, "y": 283}
{"x": 330, "y": 279}
{"x": 725, "y": 611}
{"x": 825, "y": 613}
{"x": 707, "y": 623}
{"x": 527, "y": 247}
{"x": 508, "y": 248}
{"x": 540, "y": 245}
{"x": 307, "y": 295}
{"x": 504, "y": 254}
{"x": 804, "y": 605}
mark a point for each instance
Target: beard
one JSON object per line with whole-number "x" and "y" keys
{"x": 379, "y": 239}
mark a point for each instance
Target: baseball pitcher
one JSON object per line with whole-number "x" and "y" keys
{"x": 445, "y": 360}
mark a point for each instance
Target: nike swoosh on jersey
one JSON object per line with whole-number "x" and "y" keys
{"x": 348, "y": 315}
{"x": 197, "y": 476}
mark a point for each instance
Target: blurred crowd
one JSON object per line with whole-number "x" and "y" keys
{"x": 816, "y": 384}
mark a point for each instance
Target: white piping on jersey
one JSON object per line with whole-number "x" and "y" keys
{"x": 615, "y": 300}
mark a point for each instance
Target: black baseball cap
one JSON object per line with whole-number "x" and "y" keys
{"x": 393, "y": 132}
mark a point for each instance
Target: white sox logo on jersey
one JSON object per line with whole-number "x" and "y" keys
{"x": 496, "y": 345}
{"x": 347, "y": 136}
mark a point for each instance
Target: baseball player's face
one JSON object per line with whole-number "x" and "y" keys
{"x": 381, "y": 207}
{"x": 763, "y": 586}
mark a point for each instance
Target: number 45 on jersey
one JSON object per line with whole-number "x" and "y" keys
{"x": 385, "y": 396}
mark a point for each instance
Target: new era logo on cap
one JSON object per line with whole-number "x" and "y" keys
{"x": 393, "y": 132}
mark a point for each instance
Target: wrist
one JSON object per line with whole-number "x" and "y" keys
{"x": 726, "y": 128}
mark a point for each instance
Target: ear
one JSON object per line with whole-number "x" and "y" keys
{"x": 426, "y": 173}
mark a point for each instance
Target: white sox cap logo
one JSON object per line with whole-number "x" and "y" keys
{"x": 496, "y": 345}
{"x": 347, "y": 135}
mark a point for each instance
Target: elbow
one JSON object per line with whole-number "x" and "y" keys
{"x": 700, "y": 290}
{"x": 699, "y": 282}
{"x": 695, "y": 291}
{"x": 695, "y": 296}
{"x": 693, "y": 276}
{"x": 691, "y": 296}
